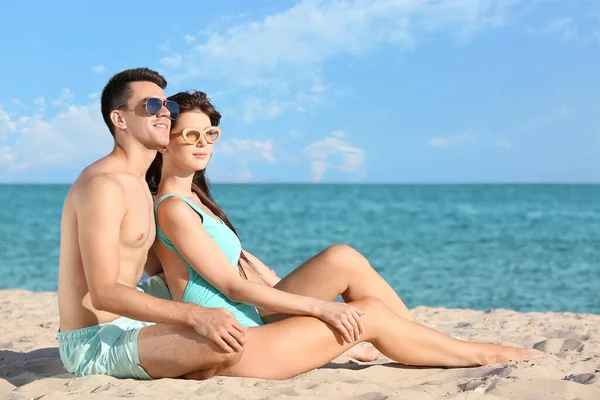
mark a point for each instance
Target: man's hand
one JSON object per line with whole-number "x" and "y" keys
{"x": 220, "y": 326}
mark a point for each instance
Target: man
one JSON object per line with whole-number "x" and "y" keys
{"x": 107, "y": 324}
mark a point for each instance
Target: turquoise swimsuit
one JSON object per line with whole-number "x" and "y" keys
{"x": 198, "y": 290}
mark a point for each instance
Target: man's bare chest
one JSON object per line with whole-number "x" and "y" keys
{"x": 138, "y": 228}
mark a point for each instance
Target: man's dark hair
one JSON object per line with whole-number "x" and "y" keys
{"x": 118, "y": 90}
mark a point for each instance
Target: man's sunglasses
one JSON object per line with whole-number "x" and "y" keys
{"x": 154, "y": 105}
{"x": 193, "y": 135}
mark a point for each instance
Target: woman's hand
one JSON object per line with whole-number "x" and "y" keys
{"x": 343, "y": 317}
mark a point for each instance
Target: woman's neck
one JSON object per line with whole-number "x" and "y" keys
{"x": 176, "y": 184}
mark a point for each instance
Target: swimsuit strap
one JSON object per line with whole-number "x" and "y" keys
{"x": 161, "y": 235}
{"x": 191, "y": 204}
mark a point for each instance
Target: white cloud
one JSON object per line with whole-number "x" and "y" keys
{"x": 6, "y": 124}
{"x": 549, "y": 118}
{"x": 94, "y": 95}
{"x": 76, "y": 136}
{"x": 564, "y": 27}
{"x": 165, "y": 46}
{"x": 317, "y": 171}
{"x": 325, "y": 152}
{"x": 501, "y": 142}
{"x": 254, "y": 109}
{"x": 64, "y": 96}
{"x": 244, "y": 176}
{"x": 311, "y": 32}
{"x": 272, "y": 106}
{"x": 99, "y": 69}
{"x": 41, "y": 102}
{"x": 439, "y": 142}
{"x": 6, "y": 157}
{"x": 353, "y": 161}
{"x": 295, "y": 133}
{"x": 7, "y": 161}
{"x": 282, "y": 50}
{"x": 246, "y": 151}
{"x": 595, "y": 16}
{"x": 19, "y": 103}
{"x": 466, "y": 139}
{"x": 319, "y": 88}
{"x": 304, "y": 34}
{"x": 224, "y": 174}
{"x": 189, "y": 38}
{"x": 172, "y": 62}
{"x": 451, "y": 141}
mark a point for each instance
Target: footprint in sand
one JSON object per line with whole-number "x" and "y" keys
{"x": 559, "y": 345}
{"x": 584, "y": 379}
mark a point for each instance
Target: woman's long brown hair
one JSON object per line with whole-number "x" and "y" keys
{"x": 198, "y": 101}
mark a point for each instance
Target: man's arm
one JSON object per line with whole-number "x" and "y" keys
{"x": 100, "y": 210}
{"x": 101, "y": 207}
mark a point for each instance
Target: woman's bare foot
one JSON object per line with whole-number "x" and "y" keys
{"x": 363, "y": 352}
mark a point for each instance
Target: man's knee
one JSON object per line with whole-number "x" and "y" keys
{"x": 224, "y": 362}
{"x": 220, "y": 358}
{"x": 228, "y": 360}
{"x": 231, "y": 359}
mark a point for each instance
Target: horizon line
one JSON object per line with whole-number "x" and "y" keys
{"x": 407, "y": 183}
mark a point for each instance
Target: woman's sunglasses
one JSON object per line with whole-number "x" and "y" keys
{"x": 193, "y": 135}
{"x": 154, "y": 105}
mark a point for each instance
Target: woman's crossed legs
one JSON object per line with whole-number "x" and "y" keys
{"x": 287, "y": 346}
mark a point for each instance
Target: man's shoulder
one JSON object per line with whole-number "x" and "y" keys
{"x": 96, "y": 186}
{"x": 104, "y": 173}
{"x": 94, "y": 180}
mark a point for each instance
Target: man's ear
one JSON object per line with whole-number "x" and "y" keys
{"x": 117, "y": 119}
{"x": 163, "y": 150}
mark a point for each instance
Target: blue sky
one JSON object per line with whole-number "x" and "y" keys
{"x": 312, "y": 91}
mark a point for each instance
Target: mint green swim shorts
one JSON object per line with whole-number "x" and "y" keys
{"x": 110, "y": 348}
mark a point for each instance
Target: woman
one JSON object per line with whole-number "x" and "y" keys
{"x": 300, "y": 327}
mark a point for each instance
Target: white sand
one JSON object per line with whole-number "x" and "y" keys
{"x": 30, "y": 367}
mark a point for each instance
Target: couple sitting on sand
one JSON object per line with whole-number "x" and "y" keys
{"x": 221, "y": 311}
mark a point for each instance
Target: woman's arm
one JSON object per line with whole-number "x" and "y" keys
{"x": 181, "y": 224}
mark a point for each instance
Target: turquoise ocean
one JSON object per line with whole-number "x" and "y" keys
{"x": 521, "y": 247}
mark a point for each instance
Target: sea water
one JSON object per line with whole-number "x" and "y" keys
{"x": 522, "y": 247}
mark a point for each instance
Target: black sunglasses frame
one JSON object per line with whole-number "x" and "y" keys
{"x": 154, "y": 103}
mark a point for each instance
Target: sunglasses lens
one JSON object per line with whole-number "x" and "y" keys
{"x": 153, "y": 105}
{"x": 212, "y": 135}
{"x": 173, "y": 108}
{"x": 192, "y": 136}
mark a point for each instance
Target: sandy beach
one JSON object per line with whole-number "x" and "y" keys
{"x": 30, "y": 367}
